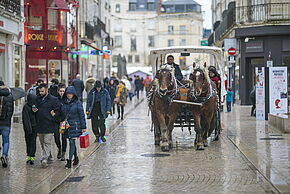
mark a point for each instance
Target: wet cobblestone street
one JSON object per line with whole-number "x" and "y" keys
{"x": 130, "y": 163}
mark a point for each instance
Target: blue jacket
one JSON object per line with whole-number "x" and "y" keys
{"x": 74, "y": 113}
{"x": 229, "y": 96}
{"x": 105, "y": 101}
{"x": 79, "y": 87}
{"x": 177, "y": 72}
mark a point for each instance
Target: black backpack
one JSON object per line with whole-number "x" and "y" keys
{"x": 3, "y": 109}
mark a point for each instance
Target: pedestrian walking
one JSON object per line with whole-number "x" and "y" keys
{"x": 98, "y": 108}
{"x": 229, "y": 99}
{"x": 53, "y": 88}
{"x": 138, "y": 86}
{"x": 34, "y": 89}
{"x": 112, "y": 92}
{"x": 121, "y": 99}
{"x": 147, "y": 82}
{"x": 29, "y": 126}
{"x": 60, "y": 139}
{"x": 6, "y": 112}
{"x": 90, "y": 83}
{"x": 132, "y": 90}
{"x": 142, "y": 84}
{"x": 46, "y": 107}
{"x": 253, "y": 100}
{"x": 79, "y": 86}
{"x": 73, "y": 112}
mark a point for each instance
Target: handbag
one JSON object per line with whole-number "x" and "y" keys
{"x": 117, "y": 100}
{"x": 84, "y": 140}
{"x": 64, "y": 125}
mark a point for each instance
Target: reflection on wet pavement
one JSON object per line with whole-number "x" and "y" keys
{"x": 130, "y": 163}
{"x": 267, "y": 148}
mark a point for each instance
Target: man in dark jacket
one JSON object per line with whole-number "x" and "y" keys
{"x": 138, "y": 86}
{"x": 177, "y": 71}
{"x": 53, "y": 88}
{"x": 45, "y": 108}
{"x": 98, "y": 108}
{"x": 6, "y": 112}
{"x": 79, "y": 86}
{"x": 29, "y": 126}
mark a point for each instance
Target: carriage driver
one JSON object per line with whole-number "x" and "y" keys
{"x": 177, "y": 71}
{"x": 215, "y": 77}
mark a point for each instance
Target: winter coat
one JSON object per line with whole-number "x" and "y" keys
{"x": 138, "y": 84}
{"x": 122, "y": 93}
{"x": 105, "y": 101}
{"x": 73, "y": 112}
{"x": 28, "y": 116}
{"x": 53, "y": 90}
{"x": 79, "y": 87}
{"x": 229, "y": 96}
{"x": 147, "y": 81}
{"x": 90, "y": 84}
{"x": 253, "y": 96}
{"x": 177, "y": 72}
{"x": 8, "y": 106}
{"x": 112, "y": 91}
{"x": 46, "y": 123}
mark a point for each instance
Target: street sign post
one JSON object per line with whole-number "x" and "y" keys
{"x": 232, "y": 51}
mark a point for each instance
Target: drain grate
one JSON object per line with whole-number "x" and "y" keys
{"x": 75, "y": 179}
{"x": 272, "y": 138}
{"x": 157, "y": 155}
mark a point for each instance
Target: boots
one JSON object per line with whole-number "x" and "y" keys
{"x": 76, "y": 161}
{"x": 68, "y": 164}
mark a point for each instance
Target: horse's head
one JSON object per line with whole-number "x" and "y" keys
{"x": 200, "y": 80}
{"x": 166, "y": 79}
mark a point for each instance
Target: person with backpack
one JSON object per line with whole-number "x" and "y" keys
{"x": 29, "y": 126}
{"x": 53, "y": 88}
{"x": 6, "y": 112}
{"x": 74, "y": 115}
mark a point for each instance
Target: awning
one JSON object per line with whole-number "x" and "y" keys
{"x": 61, "y": 5}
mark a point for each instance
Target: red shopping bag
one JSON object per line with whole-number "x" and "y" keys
{"x": 84, "y": 140}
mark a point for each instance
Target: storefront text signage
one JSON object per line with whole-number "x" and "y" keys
{"x": 260, "y": 93}
{"x": 278, "y": 90}
{"x": 50, "y": 37}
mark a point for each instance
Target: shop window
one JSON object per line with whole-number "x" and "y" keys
{"x": 130, "y": 59}
{"x": 52, "y": 19}
{"x": 150, "y": 6}
{"x": 137, "y": 59}
{"x": 54, "y": 68}
{"x": 118, "y": 8}
{"x": 34, "y": 22}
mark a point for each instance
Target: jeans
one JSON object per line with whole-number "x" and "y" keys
{"x": 5, "y": 131}
{"x": 229, "y": 106}
{"x": 45, "y": 142}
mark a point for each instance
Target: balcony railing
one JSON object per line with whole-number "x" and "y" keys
{"x": 11, "y": 6}
{"x": 263, "y": 13}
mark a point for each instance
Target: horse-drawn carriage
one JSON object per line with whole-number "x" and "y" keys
{"x": 192, "y": 102}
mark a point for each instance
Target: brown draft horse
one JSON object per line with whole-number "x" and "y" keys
{"x": 163, "y": 111}
{"x": 203, "y": 90}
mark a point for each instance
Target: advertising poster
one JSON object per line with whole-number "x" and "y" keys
{"x": 278, "y": 90}
{"x": 260, "y": 93}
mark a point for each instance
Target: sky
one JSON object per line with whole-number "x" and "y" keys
{"x": 206, "y": 8}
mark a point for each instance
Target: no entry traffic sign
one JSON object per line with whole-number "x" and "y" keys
{"x": 232, "y": 51}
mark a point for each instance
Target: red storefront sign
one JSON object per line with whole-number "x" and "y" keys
{"x": 2, "y": 48}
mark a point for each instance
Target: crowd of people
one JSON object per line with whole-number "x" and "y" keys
{"x": 56, "y": 112}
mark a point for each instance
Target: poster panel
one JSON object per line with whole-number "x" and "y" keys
{"x": 278, "y": 90}
{"x": 260, "y": 93}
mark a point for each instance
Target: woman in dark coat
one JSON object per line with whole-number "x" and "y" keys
{"x": 112, "y": 91}
{"x": 29, "y": 126}
{"x": 74, "y": 114}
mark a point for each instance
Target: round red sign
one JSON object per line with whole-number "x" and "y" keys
{"x": 232, "y": 51}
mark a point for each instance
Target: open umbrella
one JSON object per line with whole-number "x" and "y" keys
{"x": 17, "y": 93}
